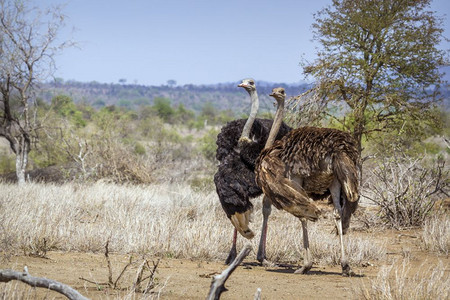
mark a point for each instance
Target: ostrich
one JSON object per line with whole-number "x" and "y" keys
{"x": 235, "y": 177}
{"x": 306, "y": 163}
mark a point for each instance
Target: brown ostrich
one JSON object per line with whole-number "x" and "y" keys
{"x": 307, "y": 163}
{"x": 235, "y": 177}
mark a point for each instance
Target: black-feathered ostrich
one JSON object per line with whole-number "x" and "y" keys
{"x": 305, "y": 163}
{"x": 235, "y": 177}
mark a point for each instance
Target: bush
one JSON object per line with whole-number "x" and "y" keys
{"x": 139, "y": 149}
{"x": 207, "y": 144}
{"x": 406, "y": 189}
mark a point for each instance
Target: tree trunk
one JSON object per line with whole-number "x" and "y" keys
{"x": 360, "y": 123}
{"x": 22, "y": 150}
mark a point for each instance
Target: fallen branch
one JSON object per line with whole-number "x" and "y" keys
{"x": 257, "y": 294}
{"x": 25, "y": 277}
{"x": 218, "y": 282}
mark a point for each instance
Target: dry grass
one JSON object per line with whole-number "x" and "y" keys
{"x": 163, "y": 220}
{"x": 436, "y": 234}
{"x": 398, "y": 282}
{"x": 324, "y": 242}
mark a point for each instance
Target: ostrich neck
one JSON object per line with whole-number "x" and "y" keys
{"x": 278, "y": 119}
{"x": 251, "y": 118}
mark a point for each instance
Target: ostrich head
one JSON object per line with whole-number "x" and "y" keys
{"x": 249, "y": 85}
{"x": 279, "y": 95}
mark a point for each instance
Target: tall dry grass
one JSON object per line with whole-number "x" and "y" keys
{"x": 168, "y": 220}
{"x": 436, "y": 234}
{"x": 398, "y": 281}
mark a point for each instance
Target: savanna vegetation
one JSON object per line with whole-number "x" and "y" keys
{"x": 131, "y": 167}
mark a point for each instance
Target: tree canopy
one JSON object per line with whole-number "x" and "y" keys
{"x": 381, "y": 59}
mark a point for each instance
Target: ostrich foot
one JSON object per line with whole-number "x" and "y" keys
{"x": 303, "y": 270}
{"x": 261, "y": 256}
{"x": 347, "y": 271}
{"x": 268, "y": 264}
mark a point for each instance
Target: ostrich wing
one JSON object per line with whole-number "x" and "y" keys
{"x": 285, "y": 193}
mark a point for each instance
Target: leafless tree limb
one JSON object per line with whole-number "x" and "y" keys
{"x": 257, "y": 294}
{"x": 137, "y": 282}
{"x": 218, "y": 282}
{"x": 123, "y": 271}
{"x": 108, "y": 262}
{"x": 25, "y": 277}
{"x": 151, "y": 277}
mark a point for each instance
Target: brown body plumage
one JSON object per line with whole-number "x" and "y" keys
{"x": 304, "y": 165}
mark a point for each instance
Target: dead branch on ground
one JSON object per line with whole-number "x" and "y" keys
{"x": 257, "y": 294}
{"x": 218, "y": 282}
{"x": 25, "y": 277}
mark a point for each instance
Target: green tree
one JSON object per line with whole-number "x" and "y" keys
{"x": 184, "y": 115}
{"x": 163, "y": 108}
{"x": 64, "y": 106}
{"x": 207, "y": 144}
{"x": 381, "y": 59}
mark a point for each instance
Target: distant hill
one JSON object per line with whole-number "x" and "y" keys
{"x": 223, "y": 96}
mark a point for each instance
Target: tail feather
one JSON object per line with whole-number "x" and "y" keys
{"x": 347, "y": 211}
{"x": 347, "y": 173}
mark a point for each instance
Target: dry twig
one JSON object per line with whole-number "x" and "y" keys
{"x": 8, "y": 275}
{"x": 218, "y": 282}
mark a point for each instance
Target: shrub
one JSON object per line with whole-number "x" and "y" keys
{"x": 208, "y": 145}
{"x": 406, "y": 189}
{"x": 139, "y": 148}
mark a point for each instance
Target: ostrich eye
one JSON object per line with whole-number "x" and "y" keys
{"x": 251, "y": 82}
{"x": 282, "y": 92}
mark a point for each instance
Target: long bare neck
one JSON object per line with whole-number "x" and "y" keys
{"x": 251, "y": 118}
{"x": 278, "y": 119}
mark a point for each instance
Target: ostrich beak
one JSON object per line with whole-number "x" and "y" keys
{"x": 242, "y": 85}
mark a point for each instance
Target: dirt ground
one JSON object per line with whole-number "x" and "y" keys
{"x": 190, "y": 279}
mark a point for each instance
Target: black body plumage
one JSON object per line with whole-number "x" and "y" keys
{"x": 235, "y": 177}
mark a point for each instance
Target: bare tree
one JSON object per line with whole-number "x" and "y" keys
{"x": 28, "y": 45}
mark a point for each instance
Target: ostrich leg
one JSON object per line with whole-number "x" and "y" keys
{"x": 307, "y": 261}
{"x": 335, "y": 190}
{"x": 267, "y": 209}
{"x": 346, "y": 270}
{"x": 233, "y": 251}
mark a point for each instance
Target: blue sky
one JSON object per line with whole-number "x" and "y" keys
{"x": 192, "y": 42}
